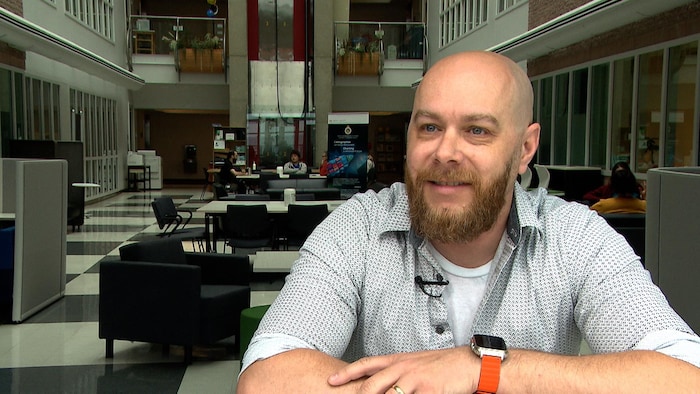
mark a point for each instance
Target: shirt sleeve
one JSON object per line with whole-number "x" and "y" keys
{"x": 677, "y": 344}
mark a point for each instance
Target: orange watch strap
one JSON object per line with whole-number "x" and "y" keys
{"x": 490, "y": 375}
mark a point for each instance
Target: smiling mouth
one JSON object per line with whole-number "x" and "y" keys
{"x": 440, "y": 183}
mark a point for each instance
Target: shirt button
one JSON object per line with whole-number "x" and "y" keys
{"x": 439, "y": 329}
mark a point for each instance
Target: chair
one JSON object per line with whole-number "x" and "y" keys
{"x": 171, "y": 222}
{"x": 542, "y": 175}
{"x": 247, "y": 226}
{"x": 526, "y": 178}
{"x": 158, "y": 293}
{"x": 632, "y": 226}
{"x": 220, "y": 193}
{"x": 301, "y": 221}
{"x": 207, "y": 182}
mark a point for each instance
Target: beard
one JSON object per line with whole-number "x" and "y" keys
{"x": 456, "y": 225}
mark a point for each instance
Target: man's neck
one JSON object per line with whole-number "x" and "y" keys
{"x": 478, "y": 252}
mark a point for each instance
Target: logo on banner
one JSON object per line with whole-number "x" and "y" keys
{"x": 348, "y": 130}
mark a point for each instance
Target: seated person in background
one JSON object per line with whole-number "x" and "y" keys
{"x": 625, "y": 192}
{"x": 605, "y": 191}
{"x": 389, "y": 289}
{"x": 323, "y": 168}
{"x": 229, "y": 171}
{"x": 295, "y": 165}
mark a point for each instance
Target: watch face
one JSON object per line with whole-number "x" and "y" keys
{"x": 489, "y": 342}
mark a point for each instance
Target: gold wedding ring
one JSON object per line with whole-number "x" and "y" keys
{"x": 398, "y": 390}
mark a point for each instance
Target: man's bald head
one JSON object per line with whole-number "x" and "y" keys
{"x": 479, "y": 71}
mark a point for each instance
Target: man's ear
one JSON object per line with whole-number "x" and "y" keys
{"x": 530, "y": 140}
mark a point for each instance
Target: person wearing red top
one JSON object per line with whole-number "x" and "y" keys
{"x": 323, "y": 168}
{"x": 606, "y": 191}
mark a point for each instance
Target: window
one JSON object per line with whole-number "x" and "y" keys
{"x": 599, "y": 116}
{"x": 545, "y": 120}
{"x": 561, "y": 119}
{"x": 621, "y": 127}
{"x": 95, "y": 123}
{"x": 505, "y": 5}
{"x": 579, "y": 104}
{"x": 680, "y": 105}
{"x": 41, "y": 98}
{"x": 639, "y": 109}
{"x": 648, "y": 124}
{"x": 98, "y": 15}
{"x": 459, "y": 17}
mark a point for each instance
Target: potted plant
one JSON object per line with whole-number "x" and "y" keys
{"x": 202, "y": 55}
{"x": 361, "y": 55}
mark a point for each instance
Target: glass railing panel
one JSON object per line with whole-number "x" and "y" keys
{"x": 362, "y": 47}
{"x": 193, "y": 42}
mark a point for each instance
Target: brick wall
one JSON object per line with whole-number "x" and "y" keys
{"x": 14, "y": 6}
{"x": 9, "y": 55}
{"x": 670, "y": 25}
{"x": 541, "y": 11}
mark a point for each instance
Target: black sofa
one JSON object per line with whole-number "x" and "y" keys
{"x": 158, "y": 293}
{"x": 274, "y": 187}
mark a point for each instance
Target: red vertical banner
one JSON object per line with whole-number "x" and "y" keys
{"x": 299, "y": 30}
{"x": 253, "y": 30}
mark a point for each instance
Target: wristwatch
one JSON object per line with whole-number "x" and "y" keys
{"x": 492, "y": 351}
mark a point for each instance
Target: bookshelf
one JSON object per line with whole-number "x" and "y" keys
{"x": 231, "y": 138}
{"x": 388, "y": 155}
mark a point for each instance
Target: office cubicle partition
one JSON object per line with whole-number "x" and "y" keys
{"x": 672, "y": 234}
{"x": 34, "y": 197}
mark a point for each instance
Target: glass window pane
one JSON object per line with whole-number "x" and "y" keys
{"x": 680, "y": 105}
{"x": 545, "y": 120}
{"x": 561, "y": 119}
{"x": 649, "y": 110}
{"x": 38, "y": 127}
{"x": 578, "y": 117}
{"x": 599, "y": 115}
{"x": 622, "y": 110}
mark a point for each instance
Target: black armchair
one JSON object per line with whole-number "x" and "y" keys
{"x": 160, "y": 294}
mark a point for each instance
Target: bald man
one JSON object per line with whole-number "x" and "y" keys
{"x": 460, "y": 281}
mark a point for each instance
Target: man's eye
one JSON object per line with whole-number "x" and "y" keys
{"x": 430, "y": 128}
{"x": 477, "y": 131}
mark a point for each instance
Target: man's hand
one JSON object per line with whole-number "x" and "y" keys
{"x": 454, "y": 370}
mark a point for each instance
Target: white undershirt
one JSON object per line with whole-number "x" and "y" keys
{"x": 464, "y": 293}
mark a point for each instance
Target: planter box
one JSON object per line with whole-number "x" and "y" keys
{"x": 359, "y": 63}
{"x": 200, "y": 60}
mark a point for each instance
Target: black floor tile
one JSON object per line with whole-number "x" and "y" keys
{"x": 90, "y": 248}
{"x": 111, "y": 228}
{"x": 70, "y": 308}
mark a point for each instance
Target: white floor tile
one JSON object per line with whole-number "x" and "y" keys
{"x": 77, "y": 264}
{"x": 216, "y": 377}
{"x": 84, "y": 284}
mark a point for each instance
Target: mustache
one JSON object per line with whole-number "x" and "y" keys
{"x": 448, "y": 175}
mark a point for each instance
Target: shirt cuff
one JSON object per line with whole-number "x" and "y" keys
{"x": 268, "y": 345}
{"x": 676, "y": 344}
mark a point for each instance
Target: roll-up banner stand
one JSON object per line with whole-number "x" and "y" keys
{"x": 347, "y": 151}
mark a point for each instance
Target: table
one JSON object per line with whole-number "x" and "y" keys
{"x": 133, "y": 172}
{"x": 83, "y": 185}
{"x": 218, "y": 208}
{"x": 274, "y": 260}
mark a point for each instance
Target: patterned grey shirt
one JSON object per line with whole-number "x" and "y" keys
{"x": 564, "y": 275}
